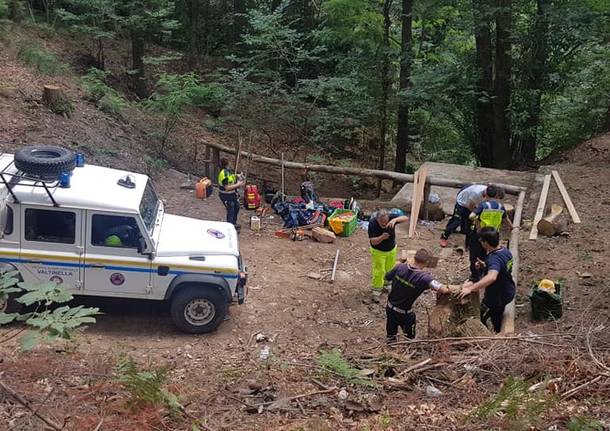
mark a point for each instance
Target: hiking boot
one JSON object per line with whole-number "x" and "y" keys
{"x": 444, "y": 242}
{"x": 376, "y": 295}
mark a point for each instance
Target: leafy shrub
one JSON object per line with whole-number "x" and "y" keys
{"x": 44, "y": 61}
{"x": 3, "y": 9}
{"x": 212, "y": 97}
{"x": 106, "y": 98}
{"x": 46, "y": 323}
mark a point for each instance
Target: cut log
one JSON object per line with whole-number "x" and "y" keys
{"x": 55, "y": 99}
{"x": 361, "y": 172}
{"x": 553, "y": 223}
{"x": 323, "y": 235}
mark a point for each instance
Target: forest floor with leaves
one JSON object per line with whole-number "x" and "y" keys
{"x": 328, "y": 367}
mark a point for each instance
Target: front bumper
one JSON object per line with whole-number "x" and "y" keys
{"x": 242, "y": 289}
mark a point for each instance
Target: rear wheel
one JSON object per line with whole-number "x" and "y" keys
{"x": 198, "y": 309}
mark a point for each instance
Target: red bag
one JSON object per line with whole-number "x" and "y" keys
{"x": 252, "y": 198}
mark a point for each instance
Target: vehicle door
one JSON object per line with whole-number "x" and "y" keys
{"x": 51, "y": 247}
{"x": 113, "y": 264}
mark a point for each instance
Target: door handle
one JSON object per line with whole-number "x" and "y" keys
{"x": 97, "y": 265}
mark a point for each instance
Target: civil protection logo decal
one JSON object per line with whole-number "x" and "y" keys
{"x": 216, "y": 233}
{"x": 117, "y": 278}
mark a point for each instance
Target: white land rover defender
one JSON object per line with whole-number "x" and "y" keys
{"x": 104, "y": 232}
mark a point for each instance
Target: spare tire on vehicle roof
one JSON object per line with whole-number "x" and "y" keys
{"x": 44, "y": 161}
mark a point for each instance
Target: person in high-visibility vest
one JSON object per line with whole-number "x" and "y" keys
{"x": 228, "y": 184}
{"x": 489, "y": 213}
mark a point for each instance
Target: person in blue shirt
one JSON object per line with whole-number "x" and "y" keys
{"x": 488, "y": 213}
{"x": 498, "y": 280}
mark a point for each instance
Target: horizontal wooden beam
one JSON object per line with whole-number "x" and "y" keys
{"x": 388, "y": 175}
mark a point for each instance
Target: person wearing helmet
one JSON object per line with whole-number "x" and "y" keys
{"x": 113, "y": 241}
{"x": 228, "y": 184}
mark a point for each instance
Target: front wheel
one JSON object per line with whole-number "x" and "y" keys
{"x": 198, "y": 309}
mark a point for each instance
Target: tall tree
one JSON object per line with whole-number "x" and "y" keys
{"x": 534, "y": 73}
{"x": 386, "y": 84}
{"x": 406, "y": 42}
{"x": 502, "y": 154}
{"x": 195, "y": 30}
{"x": 484, "y": 83}
{"x": 239, "y": 19}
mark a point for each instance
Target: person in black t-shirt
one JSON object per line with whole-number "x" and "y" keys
{"x": 498, "y": 281}
{"x": 408, "y": 283}
{"x": 382, "y": 237}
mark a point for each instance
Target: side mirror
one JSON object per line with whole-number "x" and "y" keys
{"x": 141, "y": 244}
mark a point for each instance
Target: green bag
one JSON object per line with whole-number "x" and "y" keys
{"x": 546, "y": 305}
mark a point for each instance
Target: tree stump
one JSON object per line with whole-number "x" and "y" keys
{"x": 553, "y": 223}
{"x": 55, "y": 99}
{"x": 449, "y": 313}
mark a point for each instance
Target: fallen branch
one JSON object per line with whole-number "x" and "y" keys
{"x": 596, "y": 361}
{"x": 480, "y": 338}
{"x": 25, "y": 403}
{"x": 573, "y": 391}
{"x": 298, "y": 397}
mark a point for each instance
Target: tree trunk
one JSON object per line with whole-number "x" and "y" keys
{"x": 55, "y": 99}
{"x": 239, "y": 19}
{"x": 275, "y": 4}
{"x": 502, "y": 155}
{"x": 308, "y": 15}
{"x": 535, "y": 77}
{"x": 402, "y": 137}
{"x": 100, "y": 58}
{"x": 386, "y": 81}
{"x": 484, "y": 84}
{"x": 194, "y": 41}
{"x": 137, "y": 54}
{"x": 606, "y": 125}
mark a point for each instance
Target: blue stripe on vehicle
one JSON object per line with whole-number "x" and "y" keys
{"x": 112, "y": 268}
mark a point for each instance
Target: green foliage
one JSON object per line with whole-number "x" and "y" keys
{"x": 44, "y": 61}
{"x": 48, "y": 322}
{"x": 3, "y": 9}
{"x": 106, "y": 98}
{"x": 172, "y": 96}
{"x": 334, "y": 364}
{"x": 584, "y": 423}
{"x": 146, "y": 386}
{"x": 521, "y": 407}
{"x": 211, "y": 97}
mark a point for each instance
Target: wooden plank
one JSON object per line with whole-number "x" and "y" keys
{"x": 418, "y": 194}
{"x": 508, "y": 319}
{"x": 238, "y": 156}
{"x": 541, "y": 205}
{"x": 413, "y": 198}
{"x": 566, "y": 197}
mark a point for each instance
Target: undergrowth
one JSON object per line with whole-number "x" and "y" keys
{"x": 146, "y": 387}
{"x": 332, "y": 363}
{"x": 520, "y": 407}
{"x": 39, "y": 58}
{"x": 106, "y": 98}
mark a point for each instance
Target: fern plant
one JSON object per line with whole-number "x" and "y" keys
{"x": 146, "y": 386}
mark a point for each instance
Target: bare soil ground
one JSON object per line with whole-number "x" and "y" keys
{"x": 221, "y": 380}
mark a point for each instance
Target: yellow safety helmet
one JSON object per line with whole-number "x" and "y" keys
{"x": 547, "y": 285}
{"x": 113, "y": 241}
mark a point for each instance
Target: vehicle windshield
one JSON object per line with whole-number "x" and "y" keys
{"x": 149, "y": 206}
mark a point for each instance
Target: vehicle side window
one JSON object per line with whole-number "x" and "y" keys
{"x": 50, "y": 226}
{"x": 8, "y": 221}
{"x": 114, "y": 231}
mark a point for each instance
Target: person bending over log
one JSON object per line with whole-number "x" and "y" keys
{"x": 382, "y": 238}
{"x": 498, "y": 281}
{"x": 408, "y": 283}
{"x": 466, "y": 201}
{"x": 489, "y": 213}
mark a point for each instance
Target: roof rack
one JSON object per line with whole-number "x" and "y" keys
{"x": 20, "y": 178}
